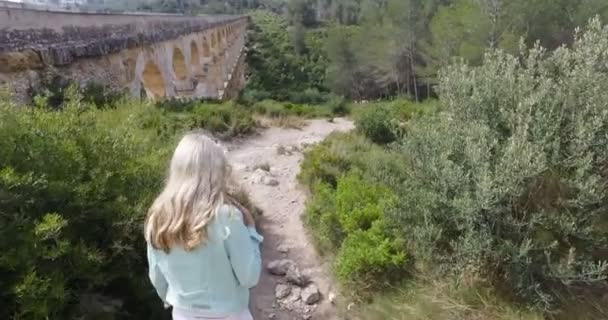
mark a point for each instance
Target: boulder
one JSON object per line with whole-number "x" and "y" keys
{"x": 310, "y": 295}
{"x": 295, "y": 276}
{"x": 279, "y": 267}
{"x": 282, "y": 291}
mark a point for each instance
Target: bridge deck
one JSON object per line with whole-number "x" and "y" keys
{"x": 88, "y": 33}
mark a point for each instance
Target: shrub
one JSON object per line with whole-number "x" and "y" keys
{"x": 100, "y": 95}
{"x": 385, "y": 122}
{"x": 271, "y": 108}
{"x": 275, "y": 109}
{"x": 333, "y": 157}
{"x": 251, "y": 96}
{"x": 55, "y": 91}
{"x": 348, "y": 221}
{"x": 341, "y": 152}
{"x": 338, "y": 106}
{"x": 370, "y": 259}
{"x": 322, "y": 219}
{"x": 509, "y": 181}
{"x": 359, "y": 203}
{"x": 309, "y": 96}
{"x": 377, "y": 124}
{"x": 74, "y": 185}
{"x": 225, "y": 120}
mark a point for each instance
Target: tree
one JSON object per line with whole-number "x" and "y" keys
{"x": 343, "y": 68}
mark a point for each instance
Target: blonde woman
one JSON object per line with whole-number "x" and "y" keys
{"x": 203, "y": 249}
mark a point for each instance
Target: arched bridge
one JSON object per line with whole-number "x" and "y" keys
{"x": 150, "y": 55}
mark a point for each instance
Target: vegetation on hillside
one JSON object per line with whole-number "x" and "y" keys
{"x": 277, "y": 71}
{"x": 78, "y": 170}
{"x": 499, "y": 198}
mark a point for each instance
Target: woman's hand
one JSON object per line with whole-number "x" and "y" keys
{"x": 247, "y": 216}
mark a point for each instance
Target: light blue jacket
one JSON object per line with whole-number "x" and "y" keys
{"x": 213, "y": 279}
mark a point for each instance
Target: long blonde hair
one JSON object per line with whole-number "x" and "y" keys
{"x": 195, "y": 188}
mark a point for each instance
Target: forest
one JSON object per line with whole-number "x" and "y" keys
{"x": 383, "y": 48}
{"x": 473, "y": 187}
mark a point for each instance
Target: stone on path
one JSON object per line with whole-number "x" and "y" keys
{"x": 295, "y": 276}
{"x": 283, "y": 248}
{"x": 331, "y": 297}
{"x": 263, "y": 177}
{"x": 310, "y": 295}
{"x": 291, "y": 302}
{"x": 279, "y": 267}
{"x": 282, "y": 291}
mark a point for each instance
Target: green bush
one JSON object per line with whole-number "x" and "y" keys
{"x": 347, "y": 209}
{"x": 338, "y": 106}
{"x": 370, "y": 260}
{"x": 54, "y": 90}
{"x": 271, "y": 108}
{"x": 322, "y": 219}
{"x": 340, "y": 153}
{"x": 377, "y": 124}
{"x": 510, "y": 181}
{"x": 251, "y": 96}
{"x": 332, "y": 158}
{"x": 309, "y": 96}
{"x": 276, "y": 109}
{"x": 74, "y": 186}
{"x": 359, "y": 203}
{"x": 225, "y": 120}
{"x": 384, "y": 122}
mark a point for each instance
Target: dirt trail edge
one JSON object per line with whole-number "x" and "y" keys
{"x": 283, "y": 201}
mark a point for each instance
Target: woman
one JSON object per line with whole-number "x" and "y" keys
{"x": 203, "y": 253}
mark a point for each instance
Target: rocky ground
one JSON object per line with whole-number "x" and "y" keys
{"x": 295, "y": 284}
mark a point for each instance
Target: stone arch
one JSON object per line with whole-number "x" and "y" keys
{"x": 153, "y": 82}
{"x": 194, "y": 55}
{"x": 179, "y": 64}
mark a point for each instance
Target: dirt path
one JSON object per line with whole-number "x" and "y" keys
{"x": 283, "y": 205}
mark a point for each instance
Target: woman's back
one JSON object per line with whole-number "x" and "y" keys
{"x": 214, "y": 278}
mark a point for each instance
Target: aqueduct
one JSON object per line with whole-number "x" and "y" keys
{"x": 157, "y": 56}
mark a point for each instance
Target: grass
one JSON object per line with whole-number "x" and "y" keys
{"x": 441, "y": 300}
{"x": 287, "y": 122}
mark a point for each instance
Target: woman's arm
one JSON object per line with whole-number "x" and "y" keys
{"x": 156, "y": 276}
{"x": 247, "y": 216}
{"x": 243, "y": 248}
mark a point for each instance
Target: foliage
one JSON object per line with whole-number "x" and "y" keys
{"x": 275, "y": 109}
{"x": 75, "y": 182}
{"x": 377, "y": 124}
{"x": 224, "y": 120}
{"x": 336, "y": 155}
{"x": 370, "y": 259}
{"x": 433, "y": 299}
{"x": 322, "y": 219}
{"x": 503, "y": 190}
{"x": 508, "y": 183}
{"x": 384, "y": 122}
{"x": 350, "y": 181}
{"x": 74, "y": 186}
{"x": 275, "y": 66}
{"x": 52, "y": 89}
